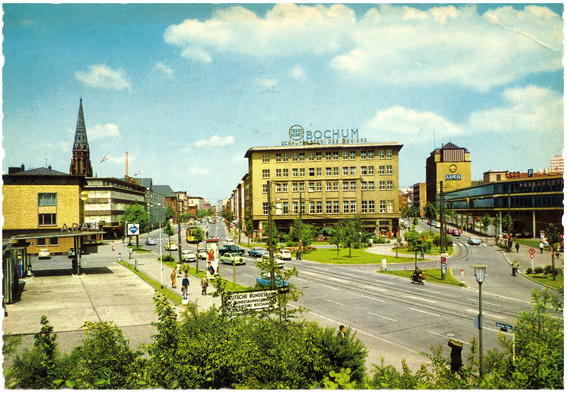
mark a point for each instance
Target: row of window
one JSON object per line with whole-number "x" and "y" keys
{"x": 329, "y": 156}
{"x": 283, "y": 187}
{"x": 331, "y": 207}
{"x": 329, "y": 171}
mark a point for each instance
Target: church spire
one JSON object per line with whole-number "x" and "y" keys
{"x": 81, "y": 162}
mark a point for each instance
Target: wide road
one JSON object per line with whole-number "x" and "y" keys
{"x": 395, "y": 318}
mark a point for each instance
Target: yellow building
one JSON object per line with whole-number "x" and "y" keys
{"x": 39, "y": 203}
{"x": 326, "y": 182}
{"x": 450, "y": 165}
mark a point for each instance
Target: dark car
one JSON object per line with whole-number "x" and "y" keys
{"x": 266, "y": 281}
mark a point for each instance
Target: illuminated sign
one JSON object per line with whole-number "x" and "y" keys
{"x": 299, "y": 136}
{"x": 453, "y": 168}
{"x": 453, "y": 177}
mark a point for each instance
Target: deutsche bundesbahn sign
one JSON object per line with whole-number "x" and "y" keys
{"x": 250, "y": 300}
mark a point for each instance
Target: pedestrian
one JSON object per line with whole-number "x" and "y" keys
{"x": 421, "y": 254}
{"x": 173, "y": 279}
{"x": 517, "y": 247}
{"x": 178, "y": 269}
{"x": 541, "y": 247}
{"x": 341, "y": 332}
{"x": 456, "y": 359}
{"x": 204, "y": 285}
{"x": 113, "y": 246}
{"x": 185, "y": 268}
{"x": 185, "y": 286}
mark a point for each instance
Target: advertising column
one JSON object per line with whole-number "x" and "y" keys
{"x": 212, "y": 248}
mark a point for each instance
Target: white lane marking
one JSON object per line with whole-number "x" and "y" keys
{"x": 428, "y": 313}
{"x": 495, "y": 330}
{"x": 383, "y": 317}
{"x": 375, "y": 289}
{"x": 475, "y": 311}
{"x": 335, "y": 302}
{"x": 301, "y": 280}
{"x": 250, "y": 276}
{"x": 374, "y": 299}
{"x": 446, "y": 336}
{"x": 484, "y": 302}
{"x": 329, "y": 287}
{"x": 422, "y": 299}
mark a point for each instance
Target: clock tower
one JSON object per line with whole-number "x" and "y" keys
{"x": 81, "y": 162}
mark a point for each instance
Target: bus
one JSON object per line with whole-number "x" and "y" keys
{"x": 190, "y": 234}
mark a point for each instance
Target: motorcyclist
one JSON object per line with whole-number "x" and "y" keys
{"x": 416, "y": 277}
{"x": 514, "y": 268}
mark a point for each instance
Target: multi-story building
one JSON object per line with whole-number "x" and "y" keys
{"x": 326, "y": 183}
{"x": 405, "y": 196}
{"x": 107, "y": 200}
{"x": 557, "y": 164}
{"x": 450, "y": 165}
{"x": 419, "y": 198}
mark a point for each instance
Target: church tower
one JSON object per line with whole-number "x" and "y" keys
{"x": 81, "y": 162}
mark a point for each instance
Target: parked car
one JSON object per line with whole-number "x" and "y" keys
{"x": 188, "y": 256}
{"x": 266, "y": 281}
{"x": 229, "y": 241}
{"x": 231, "y": 249}
{"x": 150, "y": 241}
{"x": 43, "y": 254}
{"x": 266, "y": 258}
{"x": 201, "y": 254}
{"x": 170, "y": 245}
{"x": 474, "y": 241}
{"x": 257, "y": 251}
{"x": 284, "y": 254}
{"x": 232, "y": 258}
{"x": 456, "y": 232}
{"x": 438, "y": 224}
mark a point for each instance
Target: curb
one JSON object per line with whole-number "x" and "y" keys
{"x": 527, "y": 277}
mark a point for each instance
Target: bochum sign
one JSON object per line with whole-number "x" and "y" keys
{"x": 299, "y": 136}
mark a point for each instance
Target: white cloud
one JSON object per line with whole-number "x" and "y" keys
{"x": 198, "y": 171}
{"x": 298, "y": 73}
{"x": 99, "y": 132}
{"x": 391, "y": 44}
{"x": 268, "y": 83}
{"x": 399, "y": 121}
{"x": 167, "y": 71}
{"x": 102, "y": 76}
{"x": 65, "y": 146}
{"x": 215, "y": 142}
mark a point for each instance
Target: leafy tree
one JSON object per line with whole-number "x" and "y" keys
{"x": 169, "y": 212}
{"x": 308, "y": 232}
{"x": 430, "y": 212}
{"x": 496, "y": 224}
{"x": 199, "y": 235}
{"x": 249, "y": 229}
{"x": 486, "y": 222}
{"x": 135, "y": 214}
{"x": 170, "y": 232}
{"x": 266, "y": 232}
{"x": 553, "y": 238}
{"x": 337, "y": 236}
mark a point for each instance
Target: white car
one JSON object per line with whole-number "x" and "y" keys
{"x": 232, "y": 258}
{"x": 201, "y": 254}
{"x": 284, "y": 254}
{"x": 170, "y": 246}
{"x": 188, "y": 256}
{"x": 43, "y": 254}
{"x": 266, "y": 258}
{"x": 229, "y": 241}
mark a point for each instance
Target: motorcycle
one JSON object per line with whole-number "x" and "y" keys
{"x": 418, "y": 279}
{"x": 514, "y": 271}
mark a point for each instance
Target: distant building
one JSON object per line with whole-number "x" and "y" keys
{"x": 557, "y": 164}
{"x": 81, "y": 161}
{"x": 419, "y": 198}
{"x": 450, "y": 165}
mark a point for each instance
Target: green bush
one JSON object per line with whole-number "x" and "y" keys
{"x": 167, "y": 257}
{"x": 538, "y": 270}
{"x": 529, "y": 271}
{"x": 548, "y": 270}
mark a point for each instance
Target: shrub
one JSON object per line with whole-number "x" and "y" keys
{"x": 529, "y": 271}
{"x": 538, "y": 270}
{"x": 548, "y": 270}
{"x": 167, "y": 257}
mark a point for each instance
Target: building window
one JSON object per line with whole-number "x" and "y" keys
{"x": 363, "y": 170}
{"x": 329, "y": 207}
{"x": 278, "y": 187}
{"x": 294, "y": 187}
{"x": 335, "y": 155}
{"x": 336, "y": 207}
{"x": 328, "y": 156}
{"x": 319, "y": 156}
{"x": 41, "y": 241}
{"x": 353, "y": 171}
{"x": 265, "y": 173}
{"x": 352, "y": 155}
{"x": 47, "y": 219}
{"x": 382, "y": 206}
{"x": 312, "y": 172}
{"x": 370, "y": 154}
{"x": 370, "y": 206}
{"x": 388, "y": 154}
{"x": 265, "y": 188}
{"x": 311, "y": 187}
{"x": 278, "y": 157}
{"x": 295, "y": 207}
{"x": 329, "y": 186}
{"x": 278, "y": 172}
{"x": 363, "y": 155}
{"x": 364, "y": 206}
{"x": 294, "y": 156}
{"x": 266, "y": 158}
{"x": 302, "y": 187}
{"x": 302, "y": 206}
{"x": 345, "y": 171}
{"x": 390, "y": 206}
{"x": 389, "y": 170}
{"x": 319, "y": 171}
{"x": 286, "y": 173}
{"x": 382, "y": 185}
{"x": 381, "y": 170}
{"x": 345, "y": 186}
{"x": 311, "y": 206}
{"x": 47, "y": 199}
{"x": 294, "y": 172}
{"x": 371, "y": 185}
{"x": 284, "y": 157}
{"x": 363, "y": 185}
{"x": 54, "y": 241}
{"x": 336, "y": 186}
{"x": 336, "y": 171}
{"x": 302, "y": 156}
{"x": 353, "y": 207}
{"x": 353, "y": 186}
{"x": 302, "y": 172}
{"x": 319, "y": 206}
{"x": 311, "y": 156}
{"x": 265, "y": 208}
{"x": 380, "y": 154}
{"x": 346, "y": 205}
{"x": 284, "y": 187}
{"x": 370, "y": 170}
{"x": 329, "y": 171}
{"x": 286, "y": 208}
{"x": 345, "y": 155}
{"x": 318, "y": 186}
{"x": 390, "y": 185}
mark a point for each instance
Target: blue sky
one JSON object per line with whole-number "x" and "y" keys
{"x": 186, "y": 89}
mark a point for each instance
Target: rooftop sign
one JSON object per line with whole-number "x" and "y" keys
{"x": 299, "y": 136}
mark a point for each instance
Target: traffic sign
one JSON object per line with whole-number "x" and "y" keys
{"x": 476, "y": 324}
{"x": 443, "y": 259}
{"x": 133, "y": 229}
{"x": 504, "y": 326}
{"x": 532, "y": 256}
{"x": 532, "y": 251}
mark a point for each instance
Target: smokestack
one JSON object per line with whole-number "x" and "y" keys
{"x": 126, "y": 164}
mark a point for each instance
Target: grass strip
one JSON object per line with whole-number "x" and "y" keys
{"x": 547, "y": 280}
{"x": 358, "y": 256}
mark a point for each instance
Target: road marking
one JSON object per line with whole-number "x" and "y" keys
{"x": 250, "y": 276}
{"x": 375, "y": 288}
{"x": 483, "y": 302}
{"x": 483, "y": 313}
{"x": 301, "y": 280}
{"x": 503, "y": 332}
{"x": 428, "y": 313}
{"x": 335, "y": 302}
{"x": 446, "y": 336}
{"x": 383, "y": 317}
{"x": 374, "y": 299}
{"x": 422, "y": 299}
{"x": 329, "y": 287}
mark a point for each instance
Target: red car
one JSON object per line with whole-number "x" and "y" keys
{"x": 456, "y": 232}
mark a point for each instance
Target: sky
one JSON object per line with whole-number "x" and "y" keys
{"x": 187, "y": 89}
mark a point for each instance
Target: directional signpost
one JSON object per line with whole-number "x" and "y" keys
{"x": 133, "y": 229}
{"x": 532, "y": 254}
{"x": 504, "y": 327}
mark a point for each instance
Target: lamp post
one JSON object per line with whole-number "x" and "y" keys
{"x": 160, "y": 257}
{"x": 479, "y": 273}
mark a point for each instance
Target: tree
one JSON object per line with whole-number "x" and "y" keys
{"x": 265, "y": 232}
{"x": 169, "y": 212}
{"x": 496, "y": 224}
{"x": 308, "y": 232}
{"x": 337, "y": 236}
{"x": 135, "y": 214}
{"x": 199, "y": 235}
{"x": 170, "y": 232}
{"x": 249, "y": 229}
{"x": 430, "y": 212}
{"x": 553, "y": 238}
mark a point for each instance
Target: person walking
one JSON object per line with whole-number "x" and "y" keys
{"x": 113, "y": 246}
{"x": 185, "y": 286}
{"x": 204, "y": 285}
{"x": 341, "y": 332}
{"x": 173, "y": 279}
{"x": 517, "y": 247}
{"x": 185, "y": 268}
{"x": 541, "y": 247}
{"x": 178, "y": 269}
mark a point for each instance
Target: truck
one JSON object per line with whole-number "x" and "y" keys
{"x": 231, "y": 249}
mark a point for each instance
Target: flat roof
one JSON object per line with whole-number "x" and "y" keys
{"x": 323, "y": 147}
{"x": 58, "y": 234}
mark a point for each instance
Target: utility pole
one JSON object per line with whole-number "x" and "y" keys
{"x": 270, "y": 236}
{"x": 300, "y": 224}
{"x": 179, "y": 228}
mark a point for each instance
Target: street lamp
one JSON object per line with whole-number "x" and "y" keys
{"x": 479, "y": 273}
